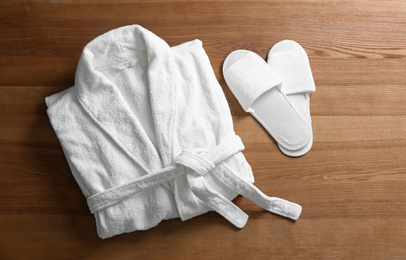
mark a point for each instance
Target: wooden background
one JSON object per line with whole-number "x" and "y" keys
{"x": 351, "y": 184}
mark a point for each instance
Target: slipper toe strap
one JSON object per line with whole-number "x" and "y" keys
{"x": 249, "y": 78}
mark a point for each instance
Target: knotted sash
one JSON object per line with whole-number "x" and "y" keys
{"x": 200, "y": 164}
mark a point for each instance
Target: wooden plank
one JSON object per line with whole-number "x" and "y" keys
{"x": 54, "y": 236}
{"x": 52, "y": 37}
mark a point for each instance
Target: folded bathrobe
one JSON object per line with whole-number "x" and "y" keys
{"x": 148, "y": 135}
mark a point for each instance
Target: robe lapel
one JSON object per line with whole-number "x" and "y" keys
{"x": 106, "y": 106}
{"x": 162, "y": 94}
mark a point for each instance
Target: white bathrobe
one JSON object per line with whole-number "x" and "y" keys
{"x": 148, "y": 135}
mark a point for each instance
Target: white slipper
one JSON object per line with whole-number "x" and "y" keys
{"x": 258, "y": 89}
{"x": 289, "y": 61}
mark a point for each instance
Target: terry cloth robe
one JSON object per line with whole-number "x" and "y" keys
{"x": 148, "y": 135}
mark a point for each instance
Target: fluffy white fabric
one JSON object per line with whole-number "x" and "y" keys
{"x": 289, "y": 61}
{"x": 148, "y": 135}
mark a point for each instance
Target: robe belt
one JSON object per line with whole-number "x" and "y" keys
{"x": 200, "y": 164}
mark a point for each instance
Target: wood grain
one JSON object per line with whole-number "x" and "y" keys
{"x": 352, "y": 184}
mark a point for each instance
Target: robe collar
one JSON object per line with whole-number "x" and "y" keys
{"x": 104, "y": 103}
